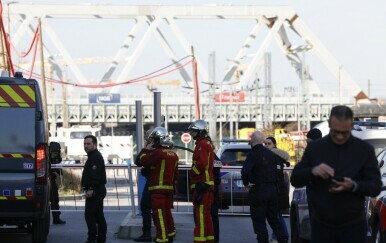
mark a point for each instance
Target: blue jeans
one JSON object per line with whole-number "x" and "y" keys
{"x": 282, "y": 222}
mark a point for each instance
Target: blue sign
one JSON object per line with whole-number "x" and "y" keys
{"x": 104, "y": 98}
{"x": 6, "y": 193}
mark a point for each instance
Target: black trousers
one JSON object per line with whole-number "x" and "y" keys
{"x": 321, "y": 233}
{"x": 214, "y": 212}
{"x": 54, "y": 199}
{"x": 263, "y": 205}
{"x": 146, "y": 209}
{"x": 95, "y": 219}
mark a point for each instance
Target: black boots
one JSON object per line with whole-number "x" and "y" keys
{"x": 58, "y": 221}
{"x": 145, "y": 237}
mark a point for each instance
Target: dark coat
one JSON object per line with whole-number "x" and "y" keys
{"x": 354, "y": 159}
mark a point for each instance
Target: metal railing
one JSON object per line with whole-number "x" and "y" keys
{"x": 122, "y": 189}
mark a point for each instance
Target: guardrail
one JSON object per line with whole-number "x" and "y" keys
{"x": 122, "y": 189}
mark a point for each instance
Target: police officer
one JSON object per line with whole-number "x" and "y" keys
{"x": 201, "y": 181}
{"x": 145, "y": 199}
{"x": 259, "y": 174}
{"x": 54, "y": 199}
{"x": 55, "y": 158}
{"x": 162, "y": 163}
{"x": 93, "y": 182}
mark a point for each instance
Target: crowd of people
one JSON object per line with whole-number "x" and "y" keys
{"x": 338, "y": 171}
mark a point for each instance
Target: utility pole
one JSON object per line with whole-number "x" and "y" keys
{"x": 340, "y": 85}
{"x": 212, "y": 95}
{"x": 64, "y": 94}
{"x": 257, "y": 127}
{"x": 4, "y": 63}
{"x": 368, "y": 88}
{"x": 43, "y": 75}
{"x": 231, "y": 112}
{"x": 268, "y": 92}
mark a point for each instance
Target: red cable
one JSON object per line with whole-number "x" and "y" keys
{"x": 130, "y": 81}
{"x": 6, "y": 40}
{"x": 113, "y": 84}
{"x": 29, "y": 48}
{"x": 34, "y": 56}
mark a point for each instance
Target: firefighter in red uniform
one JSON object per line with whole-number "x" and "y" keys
{"x": 162, "y": 163}
{"x": 201, "y": 181}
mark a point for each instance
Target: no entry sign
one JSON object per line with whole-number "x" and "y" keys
{"x": 186, "y": 138}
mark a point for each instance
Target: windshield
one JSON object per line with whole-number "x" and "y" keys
{"x": 20, "y": 136}
{"x": 234, "y": 156}
{"x": 79, "y": 135}
{"x": 378, "y": 144}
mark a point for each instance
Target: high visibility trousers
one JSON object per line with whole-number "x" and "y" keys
{"x": 203, "y": 231}
{"x": 162, "y": 215}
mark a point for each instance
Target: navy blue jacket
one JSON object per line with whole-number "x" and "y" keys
{"x": 354, "y": 159}
{"x": 94, "y": 172}
{"x": 259, "y": 166}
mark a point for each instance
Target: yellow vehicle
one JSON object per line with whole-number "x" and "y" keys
{"x": 285, "y": 141}
{"x": 245, "y": 133}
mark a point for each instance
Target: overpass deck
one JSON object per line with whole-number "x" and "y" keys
{"x": 181, "y": 109}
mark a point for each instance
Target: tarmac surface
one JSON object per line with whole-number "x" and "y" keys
{"x": 232, "y": 229}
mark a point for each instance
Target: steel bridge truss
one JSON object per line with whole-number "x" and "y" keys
{"x": 105, "y": 113}
{"x": 278, "y": 20}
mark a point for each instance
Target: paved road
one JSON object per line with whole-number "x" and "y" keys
{"x": 233, "y": 229}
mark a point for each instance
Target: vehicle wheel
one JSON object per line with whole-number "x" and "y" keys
{"x": 39, "y": 229}
{"x": 294, "y": 224}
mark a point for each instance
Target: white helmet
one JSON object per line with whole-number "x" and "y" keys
{"x": 160, "y": 136}
{"x": 199, "y": 125}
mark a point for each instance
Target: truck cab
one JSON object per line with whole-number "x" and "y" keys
{"x": 24, "y": 159}
{"x": 72, "y": 138}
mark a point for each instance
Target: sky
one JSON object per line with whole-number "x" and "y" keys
{"x": 352, "y": 30}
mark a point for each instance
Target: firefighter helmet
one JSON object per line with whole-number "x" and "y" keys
{"x": 160, "y": 136}
{"x": 201, "y": 126}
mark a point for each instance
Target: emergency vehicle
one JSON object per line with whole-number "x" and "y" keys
{"x": 377, "y": 207}
{"x": 71, "y": 138}
{"x": 24, "y": 162}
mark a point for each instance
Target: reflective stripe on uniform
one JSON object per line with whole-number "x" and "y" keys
{"x": 162, "y": 225}
{"x": 206, "y": 169}
{"x": 202, "y": 221}
{"x": 206, "y": 182}
{"x": 195, "y": 169}
{"x": 161, "y": 173}
{"x": 160, "y": 187}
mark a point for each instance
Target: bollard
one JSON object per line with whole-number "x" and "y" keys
{"x": 131, "y": 189}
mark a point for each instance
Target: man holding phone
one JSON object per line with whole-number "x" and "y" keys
{"x": 339, "y": 171}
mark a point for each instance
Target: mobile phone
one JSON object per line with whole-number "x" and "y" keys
{"x": 338, "y": 178}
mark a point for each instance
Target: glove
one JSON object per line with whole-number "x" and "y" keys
{"x": 200, "y": 188}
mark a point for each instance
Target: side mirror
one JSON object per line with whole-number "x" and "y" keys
{"x": 54, "y": 153}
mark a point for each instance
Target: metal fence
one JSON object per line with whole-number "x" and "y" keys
{"x": 123, "y": 189}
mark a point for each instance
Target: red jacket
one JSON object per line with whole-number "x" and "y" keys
{"x": 202, "y": 167}
{"x": 163, "y": 165}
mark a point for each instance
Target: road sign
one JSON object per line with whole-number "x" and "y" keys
{"x": 186, "y": 138}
